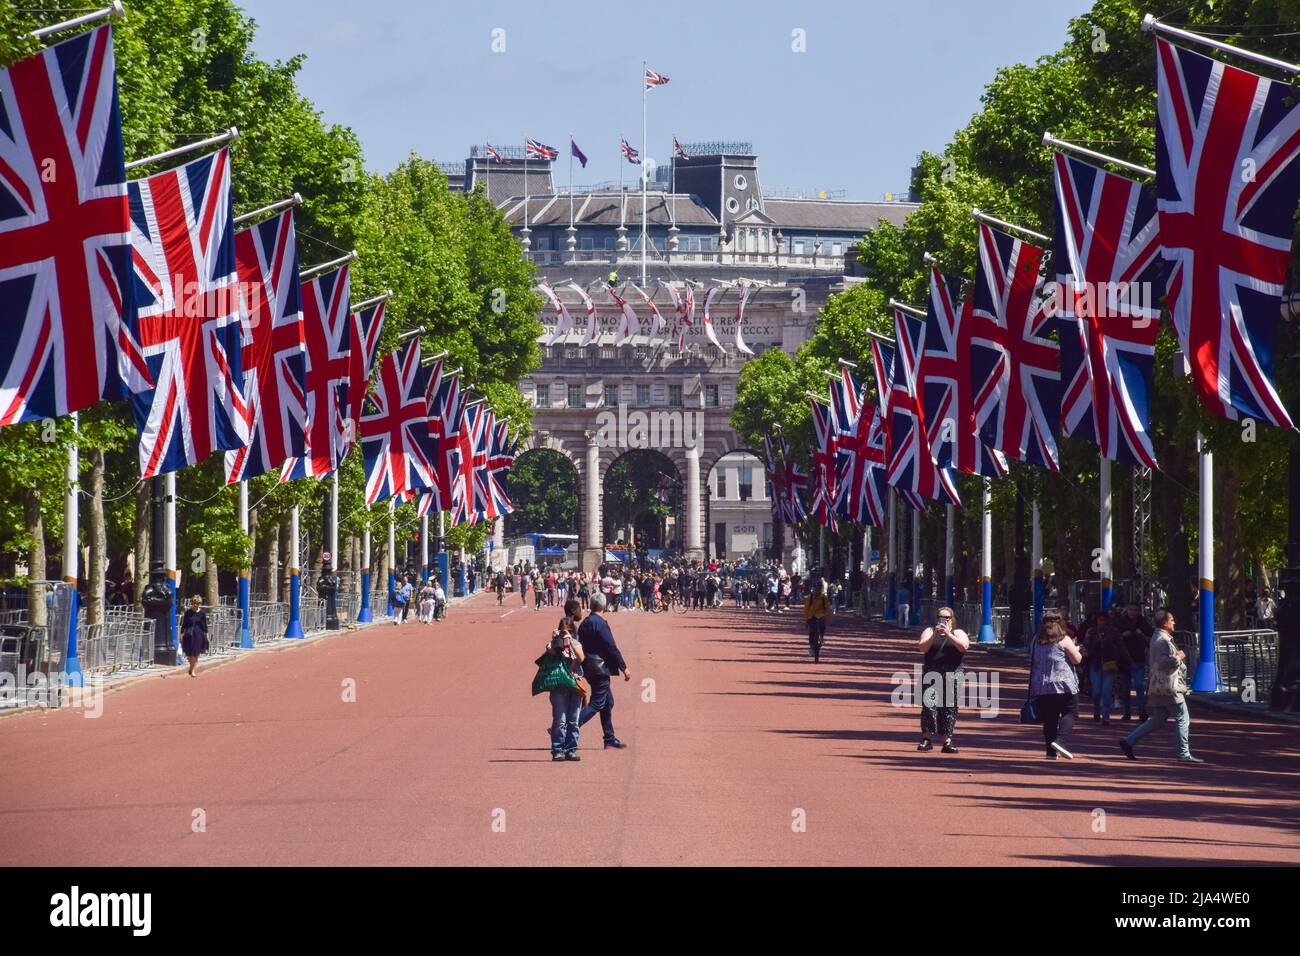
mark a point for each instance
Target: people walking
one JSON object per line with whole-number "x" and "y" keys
{"x": 426, "y": 603}
{"x": 1107, "y": 660}
{"x": 194, "y": 633}
{"x": 1166, "y": 687}
{"x": 564, "y": 651}
{"x": 604, "y": 661}
{"x": 816, "y": 610}
{"x": 439, "y": 600}
{"x": 944, "y": 646}
{"x": 1053, "y": 685}
{"x": 1135, "y": 633}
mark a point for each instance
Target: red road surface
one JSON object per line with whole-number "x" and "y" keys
{"x": 442, "y": 759}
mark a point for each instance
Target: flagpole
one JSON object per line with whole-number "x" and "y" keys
{"x": 949, "y": 585}
{"x": 1104, "y": 558}
{"x": 1206, "y": 678}
{"x": 72, "y": 552}
{"x": 294, "y": 627}
{"x": 866, "y": 567}
{"x": 986, "y": 565}
{"x": 245, "y": 633}
{"x": 571, "y": 180}
{"x": 364, "y": 614}
{"x": 392, "y": 558}
{"x": 114, "y": 11}
{"x": 645, "y": 88}
{"x": 914, "y": 617}
{"x": 1036, "y": 559}
{"x": 444, "y": 571}
{"x": 891, "y": 607}
{"x": 330, "y": 567}
{"x": 169, "y": 519}
{"x": 424, "y": 547}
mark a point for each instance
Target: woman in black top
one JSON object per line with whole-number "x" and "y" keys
{"x": 944, "y": 646}
{"x": 194, "y": 633}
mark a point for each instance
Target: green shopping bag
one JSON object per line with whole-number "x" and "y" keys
{"x": 553, "y": 673}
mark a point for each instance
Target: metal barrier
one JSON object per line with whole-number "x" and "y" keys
{"x": 312, "y": 615}
{"x": 119, "y": 642}
{"x": 1241, "y": 656}
{"x": 268, "y": 621}
{"x": 224, "y": 622}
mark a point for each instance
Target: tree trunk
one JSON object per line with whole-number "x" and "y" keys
{"x": 273, "y": 563}
{"x": 35, "y": 527}
{"x": 1178, "y": 564}
{"x": 287, "y": 529}
{"x": 211, "y": 584}
{"x": 1230, "y": 582}
{"x": 98, "y": 541}
{"x": 143, "y": 530}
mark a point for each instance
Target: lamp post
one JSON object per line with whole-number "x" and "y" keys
{"x": 157, "y": 596}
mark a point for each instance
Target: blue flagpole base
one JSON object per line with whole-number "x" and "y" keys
{"x": 364, "y": 616}
{"x": 1206, "y": 678}
{"x": 245, "y": 633}
{"x": 294, "y": 628}
{"x": 986, "y": 635}
{"x": 72, "y": 666}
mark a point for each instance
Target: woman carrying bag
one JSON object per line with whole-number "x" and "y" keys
{"x": 559, "y": 672}
{"x": 1053, "y": 684}
{"x": 194, "y": 633}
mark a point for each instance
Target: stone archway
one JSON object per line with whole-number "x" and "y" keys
{"x": 634, "y": 505}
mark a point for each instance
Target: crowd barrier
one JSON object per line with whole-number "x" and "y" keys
{"x": 1246, "y": 659}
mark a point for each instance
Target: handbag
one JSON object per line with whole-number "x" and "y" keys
{"x": 1028, "y": 710}
{"x": 584, "y": 688}
{"x": 553, "y": 673}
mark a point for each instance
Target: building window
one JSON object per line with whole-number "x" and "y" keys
{"x": 837, "y": 249}
{"x": 611, "y": 396}
{"x": 798, "y": 247}
{"x": 746, "y": 483}
{"x": 675, "y": 396}
{"x": 543, "y": 243}
{"x": 643, "y": 396}
{"x": 711, "y": 396}
{"x": 587, "y": 243}
{"x": 609, "y": 242}
{"x": 575, "y": 396}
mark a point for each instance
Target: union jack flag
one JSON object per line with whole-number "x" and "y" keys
{"x": 654, "y": 79}
{"x": 493, "y": 155}
{"x": 540, "y": 150}
{"x": 327, "y": 330}
{"x": 860, "y": 469}
{"x": 366, "y": 326}
{"x": 1109, "y": 282}
{"x": 187, "y": 297}
{"x": 1226, "y": 190}
{"x": 490, "y": 499}
{"x": 67, "y": 326}
{"x": 446, "y": 406}
{"x": 786, "y": 483}
{"x": 274, "y": 358}
{"x": 470, "y": 454}
{"x": 846, "y": 401}
{"x": 632, "y": 155}
{"x": 394, "y": 428}
{"x": 1015, "y": 367}
{"x": 945, "y": 382}
{"x": 825, "y": 452}
{"x": 911, "y": 463}
{"x": 501, "y": 456}
{"x": 677, "y": 148}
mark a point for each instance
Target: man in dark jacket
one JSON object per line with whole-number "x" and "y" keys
{"x": 1135, "y": 631}
{"x": 601, "y": 663}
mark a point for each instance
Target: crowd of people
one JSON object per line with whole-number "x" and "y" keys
{"x": 660, "y": 584}
{"x": 1112, "y": 656}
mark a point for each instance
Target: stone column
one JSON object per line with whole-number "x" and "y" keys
{"x": 499, "y": 544}
{"x": 593, "y": 551}
{"x": 694, "y": 511}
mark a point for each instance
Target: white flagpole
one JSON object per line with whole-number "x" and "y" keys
{"x": 169, "y": 533}
{"x": 245, "y": 634}
{"x": 526, "y": 197}
{"x": 364, "y": 614}
{"x": 645, "y": 88}
{"x": 1036, "y": 561}
{"x": 570, "y": 180}
{"x": 1206, "y": 677}
{"x": 891, "y": 608}
{"x": 72, "y": 552}
{"x": 293, "y": 629}
{"x": 949, "y": 586}
{"x": 1104, "y": 559}
{"x": 986, "y": 566}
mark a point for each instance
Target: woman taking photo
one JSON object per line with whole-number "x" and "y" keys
{"x": 1053, "y": 685}
{"x": 194, "y": 633}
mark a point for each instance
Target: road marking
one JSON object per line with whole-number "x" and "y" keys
{"x": 508, "y": 613}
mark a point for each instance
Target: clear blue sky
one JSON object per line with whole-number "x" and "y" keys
{"x": 878, "y": 83}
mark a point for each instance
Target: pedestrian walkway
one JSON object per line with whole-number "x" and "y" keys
{"x": 420, "y": 744}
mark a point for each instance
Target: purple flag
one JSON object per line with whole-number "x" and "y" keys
{"x": 577, "y": 153}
